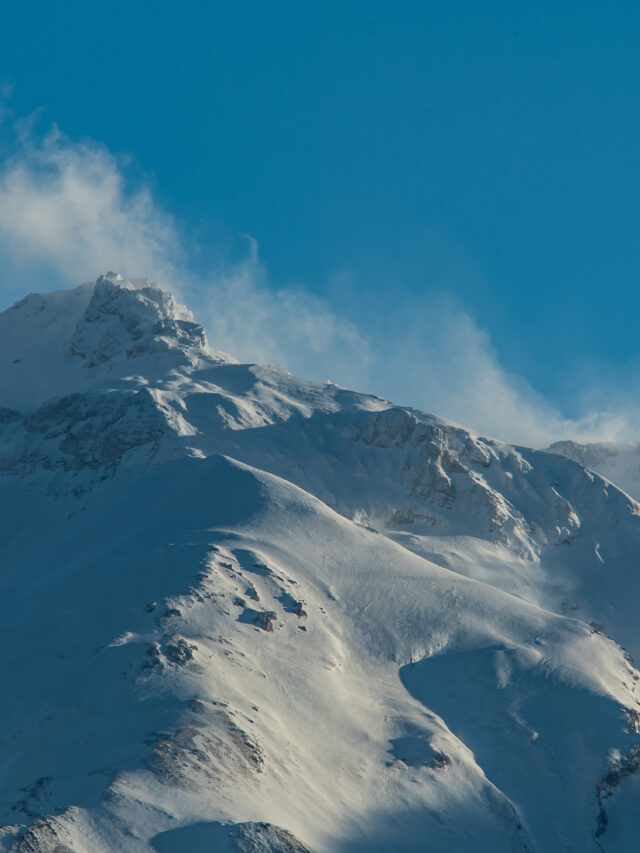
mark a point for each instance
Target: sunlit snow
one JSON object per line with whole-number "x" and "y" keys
{"x": 245, "y": 611}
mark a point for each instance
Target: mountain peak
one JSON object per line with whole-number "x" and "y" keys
{"x": 129, "y": 317}
{"x": 67, "y": 341}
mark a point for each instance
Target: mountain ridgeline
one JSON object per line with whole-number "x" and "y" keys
{"x": 243, "y": 611}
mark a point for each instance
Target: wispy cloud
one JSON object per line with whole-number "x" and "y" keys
{"x": 68, "y": 213}
{"x": 246, "y": 315}
{"x": 442, "y": 361}
{"x": 65, "y": 207}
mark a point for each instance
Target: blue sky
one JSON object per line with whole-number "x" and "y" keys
{"x": 406, "y": 168}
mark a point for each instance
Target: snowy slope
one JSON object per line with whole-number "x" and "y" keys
{"x": 619, "y": 462}
{"x": 243, "y": 611}
{"x": 94, "y": 337}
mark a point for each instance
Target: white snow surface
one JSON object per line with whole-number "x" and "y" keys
{"x": 93, "y": 337}
{"x": 245, "y": 611}
{"x": 619, "y": 462}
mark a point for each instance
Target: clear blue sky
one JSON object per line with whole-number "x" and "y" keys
{"x": 486, "y": 149}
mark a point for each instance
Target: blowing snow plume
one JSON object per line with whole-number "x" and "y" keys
{"x": 67, "y": 212}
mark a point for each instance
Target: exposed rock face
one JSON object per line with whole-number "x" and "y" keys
{"x": 81, "y": 432}
{"x": 94, "y": 338}
{"x": 127, "y": 319}
{"x": 266, "y": 838}
{"x": 240, "y": 837}
{"x": 620, "y": 768}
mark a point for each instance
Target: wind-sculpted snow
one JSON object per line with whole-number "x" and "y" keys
{"x": 618, "y": 462}
{"x": 94, "y": 337}
{"x": 123, "y": 322}
{"x": 243, "y": 611}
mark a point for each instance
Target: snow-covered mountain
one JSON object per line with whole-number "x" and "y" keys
{"x": 619, "y": 462}
{"x": 244, "y": 611}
